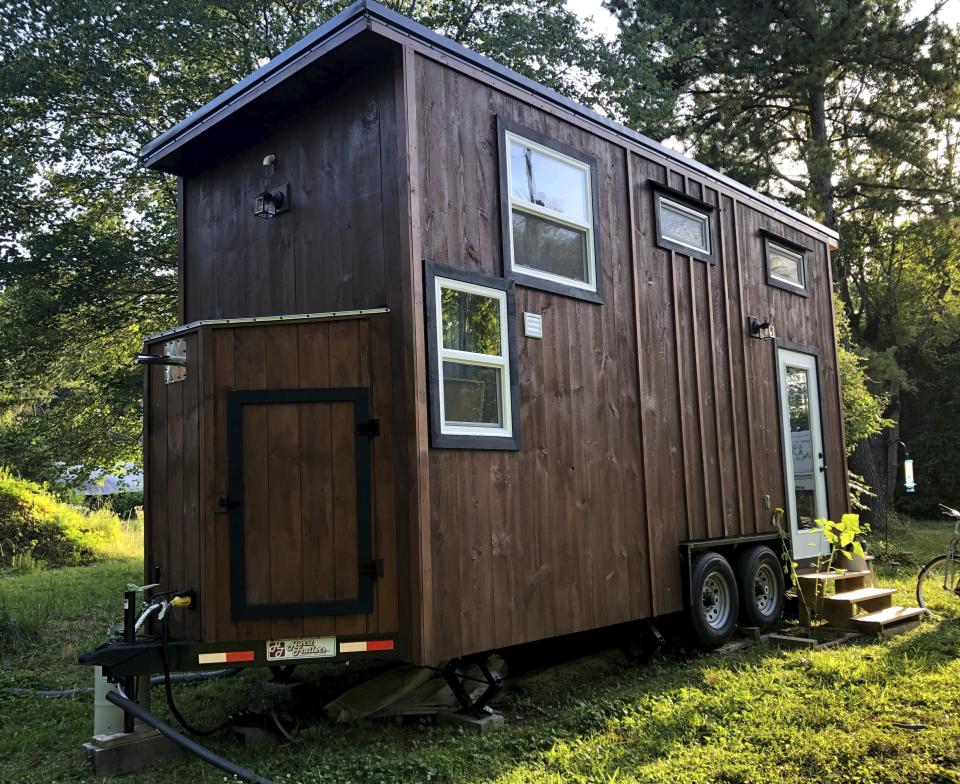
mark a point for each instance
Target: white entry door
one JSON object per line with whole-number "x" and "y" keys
{"x": 803, "y": 438}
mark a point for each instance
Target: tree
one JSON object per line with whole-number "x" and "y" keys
{"x": 87, "y": 251}
{"x": 847, "y": 111}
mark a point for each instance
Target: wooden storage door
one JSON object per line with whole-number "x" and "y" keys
{"x": 300, "y": 502}
{"x": 299, "y": 462}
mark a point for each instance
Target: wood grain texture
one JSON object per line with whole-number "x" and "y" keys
{"x": 646, "y": 421}
{"x": 300, "y": 490}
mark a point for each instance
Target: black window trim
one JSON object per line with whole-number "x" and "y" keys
{"x": 532, "y": 281}
{"x": 438, "y": 439}
{"x": 770, "y": 237}
{"x": 659, "y": 189}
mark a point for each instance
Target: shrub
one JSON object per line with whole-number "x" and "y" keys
{"x": 36, "y": 527}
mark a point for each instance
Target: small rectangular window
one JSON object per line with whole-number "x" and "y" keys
{"x": 548, "y": 195}
{"x": 473, "y": 391}
{"x": 786, "y": 263}
{"x": 683, "y": 225}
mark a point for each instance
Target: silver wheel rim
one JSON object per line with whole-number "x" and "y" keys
{"x": 765, "y": 590}
{"x": 715, "y": 602}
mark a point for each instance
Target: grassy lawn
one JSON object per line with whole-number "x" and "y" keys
{"x": 756, "y": 716}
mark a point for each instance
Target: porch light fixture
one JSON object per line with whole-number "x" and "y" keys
{"x": 269, "y": 203}
{"x": 760, "y": 329}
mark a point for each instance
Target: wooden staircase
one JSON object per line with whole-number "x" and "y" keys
{"x": 849, "y": 600}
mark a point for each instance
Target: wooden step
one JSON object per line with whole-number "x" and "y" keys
{"x": 889, "y": 621}
{"x": 835, "y": 576}
{"x": 860, "y": 596}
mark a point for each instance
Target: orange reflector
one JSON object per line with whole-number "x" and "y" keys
{"x": 366, "y": 645}
{"x": 225, "y": 657}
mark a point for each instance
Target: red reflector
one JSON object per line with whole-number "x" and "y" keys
{"x": 379, "y": 645}
{"x": 240, "y": 656}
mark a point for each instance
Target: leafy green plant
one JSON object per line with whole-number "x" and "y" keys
{"x": 843, "y": 538}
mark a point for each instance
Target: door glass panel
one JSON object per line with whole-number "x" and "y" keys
{"x": 801, "y": 437}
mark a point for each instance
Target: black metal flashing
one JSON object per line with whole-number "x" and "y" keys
{"x": 289, "y": 61}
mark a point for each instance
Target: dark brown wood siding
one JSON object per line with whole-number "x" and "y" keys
{"x": 300, "y": 492}
{"x": 335, "y": 248}
{"x": 646, "y": 421}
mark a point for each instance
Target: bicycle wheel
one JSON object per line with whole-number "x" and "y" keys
{"x": 938, "y": 586}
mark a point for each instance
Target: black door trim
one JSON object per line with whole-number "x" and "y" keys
{"x": 363, "y": 603}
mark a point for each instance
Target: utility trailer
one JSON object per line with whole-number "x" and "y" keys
{"x": 463, "y": 365}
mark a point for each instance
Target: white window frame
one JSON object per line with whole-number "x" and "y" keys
{"x": 501, "y": 362}
{"x": 700, "y": 215}
{"x": 802, "y": 265}
{"x": 525, "y": 206}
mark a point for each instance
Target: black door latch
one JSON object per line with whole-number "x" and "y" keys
{"x": 227, "y": 503}
{"x": 371, "y": 429}
{"x": 374, "y": 569}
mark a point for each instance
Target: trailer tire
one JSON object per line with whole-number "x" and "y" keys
{"x": 714, "y": 601}
{"x": 762, "y": 589}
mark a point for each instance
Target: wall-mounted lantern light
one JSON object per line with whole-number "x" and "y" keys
{"x": 761, "y": 329}
{"x": 269, "y": 203}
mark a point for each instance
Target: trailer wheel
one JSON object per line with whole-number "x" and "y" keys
{"x": 762, "y": 591}
{"x": 714, "y": 602}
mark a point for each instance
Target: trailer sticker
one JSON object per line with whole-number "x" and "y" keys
{"x": 225, "y": 657}
{"x": 303, "y": 648}
{"x": 366, "y": 645}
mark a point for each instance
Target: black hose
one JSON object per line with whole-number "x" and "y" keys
{"x": 182, "y": 740}
{"x": 169, "y": 692}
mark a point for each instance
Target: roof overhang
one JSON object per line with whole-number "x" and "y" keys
{"x": 365, "y": 17}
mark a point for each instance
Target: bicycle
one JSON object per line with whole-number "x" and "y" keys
{"x": 939, "y": 579}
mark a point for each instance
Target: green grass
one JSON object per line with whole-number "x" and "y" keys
{"x": 757, "y": 716}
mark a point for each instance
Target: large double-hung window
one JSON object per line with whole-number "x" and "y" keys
{"x": 548, "y": 194}
{"x": 473, "y": 390}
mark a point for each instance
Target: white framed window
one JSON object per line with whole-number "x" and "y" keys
{"x": 786, "y": 263}
{"x": 683, "y": 225}
{"x": 549, "y": 214}
{"x": 472, "y": 386}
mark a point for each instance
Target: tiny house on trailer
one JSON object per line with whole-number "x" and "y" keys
{"x": 464, "y": 365}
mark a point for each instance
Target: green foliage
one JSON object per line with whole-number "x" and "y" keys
{"x": 36, "y": 529}
{"x": 862, "y": 408}
{"x": 844, "y": 537}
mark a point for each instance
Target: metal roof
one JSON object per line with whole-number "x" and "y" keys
{"x": 288, "y": 62}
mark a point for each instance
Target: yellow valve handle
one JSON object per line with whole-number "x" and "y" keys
{"x": 181, "y": 601}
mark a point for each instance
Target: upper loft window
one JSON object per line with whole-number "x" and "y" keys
{"x": 473, "y": 387}
{"x": 786, "y": 263}
{"x": 549, "y": 208}
{"x": 684, "y": 224}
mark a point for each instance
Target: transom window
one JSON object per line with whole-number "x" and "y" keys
{"x": 549, "y": 212}
{"x": 471, "y": 361}
{"x": 683, "y": 226}
{"x": 786, "y": 264}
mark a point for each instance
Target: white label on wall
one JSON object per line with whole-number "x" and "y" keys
{"x": 533, "y": 325}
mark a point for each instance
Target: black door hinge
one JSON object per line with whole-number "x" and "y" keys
{"x": 370, "y": 429}
{"x": 227, "y": 503}
{"x": 374, "y": 569}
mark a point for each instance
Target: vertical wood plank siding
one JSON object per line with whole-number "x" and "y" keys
{"x": 300, "y": 493}
{"x": 647, "y": 420}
